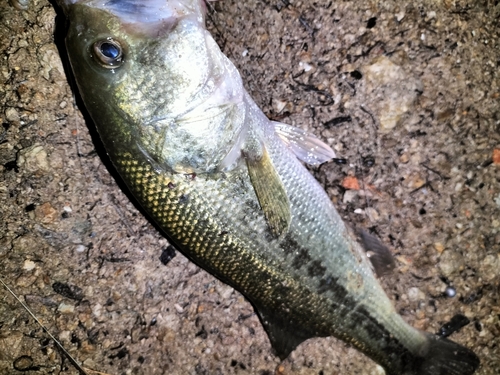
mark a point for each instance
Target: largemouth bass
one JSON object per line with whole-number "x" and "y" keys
{"x": 226, "y": 184}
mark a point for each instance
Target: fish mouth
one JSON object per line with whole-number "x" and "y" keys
{"x": 150, "y": 16}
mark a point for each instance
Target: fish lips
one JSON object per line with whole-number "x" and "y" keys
{"x": 147, "y": 17}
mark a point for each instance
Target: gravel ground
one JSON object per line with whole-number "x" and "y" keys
{"x": 407, "y": 93}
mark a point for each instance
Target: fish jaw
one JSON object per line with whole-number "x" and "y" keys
{"x": 148, "y": 14}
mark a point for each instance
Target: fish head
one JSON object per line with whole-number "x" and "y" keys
{"x": 150, "y": 76}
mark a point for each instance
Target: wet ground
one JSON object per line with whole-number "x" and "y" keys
{"x": 407, "y": 93}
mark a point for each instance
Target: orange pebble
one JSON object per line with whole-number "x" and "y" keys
{"x": 496, "y": 156}
{"x": 351, "y": 183}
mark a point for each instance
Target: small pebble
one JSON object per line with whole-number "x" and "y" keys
{"x": 23, "y": 363}
{"x": 28, "y": 265}
{"x": 349, "y": 196}
{"x": 46, "y": 213}
{"x": 65, "y": 336}
{"x": 497, "y": 200}
{"x": 89, "y": 363}
{"x": 450, "y": 292}
{"x": 179, "y": 308}
{"x": 80, "y": 248}
{"x": 33, "y": 159}
{"x": 305, "y": 66}
{"x": 350, "y": 183}
{"x": 439, "y": 247}
{"x": 65, "y": 308}
{"x": 400, "y": 15}
{"x": 279, "y": 105}
{"x": 11, "y": 114}
{"x": 496, "y": 156}
{"x": 372, "y": 213}
{"x": 414, "y": 294}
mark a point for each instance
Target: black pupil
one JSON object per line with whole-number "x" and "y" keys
{"x": 110, "y": 50}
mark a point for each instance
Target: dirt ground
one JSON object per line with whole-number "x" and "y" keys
{"x": 408, "y": 93}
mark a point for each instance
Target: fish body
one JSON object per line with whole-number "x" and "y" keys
{"x": 226, "y": 184}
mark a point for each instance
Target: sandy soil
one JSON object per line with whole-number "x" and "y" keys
{"x": 408, "y": 93}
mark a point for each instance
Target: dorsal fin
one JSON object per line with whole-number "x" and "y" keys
{"x": 305, "y": 146}
{"x": 380, "y": 256}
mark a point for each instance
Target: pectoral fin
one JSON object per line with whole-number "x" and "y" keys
{"x": 306, "y": 146}
{"x": 270, "y": 192}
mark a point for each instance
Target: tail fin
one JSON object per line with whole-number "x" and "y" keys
{"x": 444, "y": 357}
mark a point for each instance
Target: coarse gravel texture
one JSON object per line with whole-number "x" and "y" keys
{"x": 407, "y": 92}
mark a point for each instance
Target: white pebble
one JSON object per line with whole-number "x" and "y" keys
{"x": 349, "y": 196}
{"x": 80, "y": 248}
{"x": 400, "y": 15}
{"x": 64, "y": 308}
{"x": 414, "y": 294}
{"x": 179, "y": 308}
{"x": 305, "y": 66}
{"x": 28, "y": 265}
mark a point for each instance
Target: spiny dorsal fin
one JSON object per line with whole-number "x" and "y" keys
{"x": 306, "y": 146}
{"x": 270, "y": 192}
{"x": 380, "y": 256}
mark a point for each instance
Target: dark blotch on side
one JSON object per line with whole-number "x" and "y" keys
{"x": 316, "y": 269}
{"x": 399, "y": 354}
{"x": 301, "y": 259}
{"x": 331, "y": 284}
{"x": 289, "y": 246}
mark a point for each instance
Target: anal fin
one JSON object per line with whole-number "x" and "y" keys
{"x": 270, "y": 192}
{"x": 283, "y": 339}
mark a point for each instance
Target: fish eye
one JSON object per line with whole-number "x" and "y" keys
{"x": 108, "y": 53}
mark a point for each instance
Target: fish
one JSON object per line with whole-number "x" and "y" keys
{"x": 228, "y": 186}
